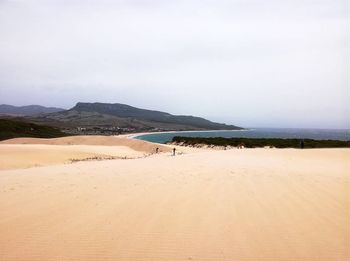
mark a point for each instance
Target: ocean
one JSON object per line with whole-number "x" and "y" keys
{"x": 316, "y": 134}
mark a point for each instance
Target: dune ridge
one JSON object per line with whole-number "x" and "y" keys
{"x": 34, "y": 152}
{"x": 137, "y": 145}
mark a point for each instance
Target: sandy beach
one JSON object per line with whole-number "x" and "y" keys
{"x": 249, "y": 204}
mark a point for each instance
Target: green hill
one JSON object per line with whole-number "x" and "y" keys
{"x": 109, "y": 119}
{"x": 149, "y": 118}
{"x": 13, "y": 129}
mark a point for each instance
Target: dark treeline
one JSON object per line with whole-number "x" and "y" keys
{"x": 257, "y": 143}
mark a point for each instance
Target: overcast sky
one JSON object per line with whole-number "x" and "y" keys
{"x": 274, "y": 63}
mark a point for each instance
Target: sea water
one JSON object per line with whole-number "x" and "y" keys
{"x": 316, "y": 134}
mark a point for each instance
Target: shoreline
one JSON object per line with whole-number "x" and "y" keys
{"x": 133, "y": 136}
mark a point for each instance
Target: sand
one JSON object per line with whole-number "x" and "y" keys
{"x": 250, "y": 204}
{"x": 33, "y": 152}
{"x": 123, "y": 140}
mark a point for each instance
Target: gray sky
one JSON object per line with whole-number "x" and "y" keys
{"x": 274, "y": 63}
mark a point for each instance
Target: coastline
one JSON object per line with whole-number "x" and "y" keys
{"x": 252, "y": 133}
{"x": 135, "y": 135}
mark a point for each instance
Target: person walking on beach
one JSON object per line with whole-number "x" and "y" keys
{"x": 157, "y": 150}
{"x": 174, "y": 150}
{"x": 302, "y": 144}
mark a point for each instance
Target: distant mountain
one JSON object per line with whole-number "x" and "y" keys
{"x": 149, "y": 118}
{"x": 106, "y": 118}
{"x": 27, "y": 110}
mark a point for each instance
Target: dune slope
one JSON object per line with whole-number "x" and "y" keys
{"x": 31, "y": 152}
{"x": 255, "y": 204}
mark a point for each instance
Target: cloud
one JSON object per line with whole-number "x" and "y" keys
{"x": 209, "y": 58}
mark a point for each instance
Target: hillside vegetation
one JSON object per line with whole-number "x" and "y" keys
{"x": 13, "y": 129}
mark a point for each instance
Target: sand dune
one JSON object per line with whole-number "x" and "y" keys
{"x": 31, "y": 152}
{"x": 14, "y": 156}
{"x": 137, "y": 145}
{"x": 257, "y": 204}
